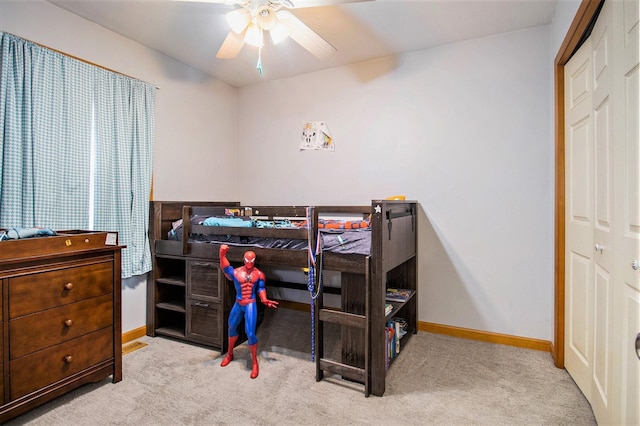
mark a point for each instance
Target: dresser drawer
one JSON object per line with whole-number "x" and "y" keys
{"x": 205, "y": 322}
{"x": 46, "y": 290}
{"x": 45, "y": 367}
{"x": 1, "y": 364}
{"x": 38, "y": 331}
{"x": 2, "y": 401}
{"x": 202, "y": 279}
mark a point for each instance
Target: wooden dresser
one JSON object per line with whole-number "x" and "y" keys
{"x": 60, "y": 318}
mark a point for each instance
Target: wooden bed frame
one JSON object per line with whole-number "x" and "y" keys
{"x": 364, "y": 278}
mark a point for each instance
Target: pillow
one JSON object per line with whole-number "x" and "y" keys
{"x": 237, "y": 222}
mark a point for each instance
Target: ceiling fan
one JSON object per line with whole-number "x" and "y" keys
{"x": 254, "y": 18}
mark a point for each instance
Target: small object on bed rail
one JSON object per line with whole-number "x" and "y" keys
{"x": 314, "y": 275}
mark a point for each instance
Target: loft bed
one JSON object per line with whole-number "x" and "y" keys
{"x": 372, "y": 247}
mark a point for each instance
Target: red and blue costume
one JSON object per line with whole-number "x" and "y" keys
{"x": 249, "y": 281}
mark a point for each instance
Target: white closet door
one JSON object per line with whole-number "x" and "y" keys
{"x": 579, "y": 218}
{"x": 603, "y": 376}
{"x": 627, "y": 157}
{"x": 602, "y": 161}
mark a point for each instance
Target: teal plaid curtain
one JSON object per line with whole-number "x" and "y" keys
{"x": 69, "y": 130}
{"x": 124, "y": 152}
{"x": 44, "y": 138}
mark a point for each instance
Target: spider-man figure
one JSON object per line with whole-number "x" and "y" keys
{"x": 248, "y": 281}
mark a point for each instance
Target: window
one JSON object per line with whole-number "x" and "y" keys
{"x": 77, "y": 146}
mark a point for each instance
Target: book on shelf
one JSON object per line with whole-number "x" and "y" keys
{"x": 397, "y": 335}
{"x": 395, "y": 329}
{"x": 400, "y": 329}
{"x": 388, "y": 307}
{"x": 398, "y": 294}
{"x": 401, "y": 326}
{"x": 390, "y": 340}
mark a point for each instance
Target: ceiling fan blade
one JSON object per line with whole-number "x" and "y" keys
{"x": 296, "y": 3}
{"x": 228, "y": 2}
{"x": 315, "y": 3}
{"x": 231, "y": 46}
{"x": 238, "y": 19}
{"x": 306, "y": 37}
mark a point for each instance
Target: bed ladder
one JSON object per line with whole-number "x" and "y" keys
{"x": 322, "y": 316}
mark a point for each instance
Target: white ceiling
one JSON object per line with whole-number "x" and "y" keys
{"x": 192, "y": 31}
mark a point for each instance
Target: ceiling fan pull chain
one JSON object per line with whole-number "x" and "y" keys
{"x": 259, "y": 66}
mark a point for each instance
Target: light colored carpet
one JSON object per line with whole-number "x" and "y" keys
{"x": 437, "y": 380}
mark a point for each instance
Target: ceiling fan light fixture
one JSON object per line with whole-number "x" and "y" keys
{"x": 238, "y": 20}
{"x": 266, "y": 17}
{"x": 249, "y": 22}
{"x": 254, "y": 35}
{"x": 279, "y": 32}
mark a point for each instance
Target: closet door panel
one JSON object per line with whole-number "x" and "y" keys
{"x": 579, "y": 218}
{"x": 603, "y": 127}
{"x": 628, "y": 232}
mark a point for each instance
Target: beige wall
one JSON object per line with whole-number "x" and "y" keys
{"x": 465, "y": 130}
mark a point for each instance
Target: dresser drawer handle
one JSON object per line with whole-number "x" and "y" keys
{"x": 204, "y": 305}
{"x": 68, "y": 286}
{"x": 68, "y": 322}
{"x": 68, "y": 359}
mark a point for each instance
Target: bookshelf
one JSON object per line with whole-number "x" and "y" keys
{"x": 362, "y": 316}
